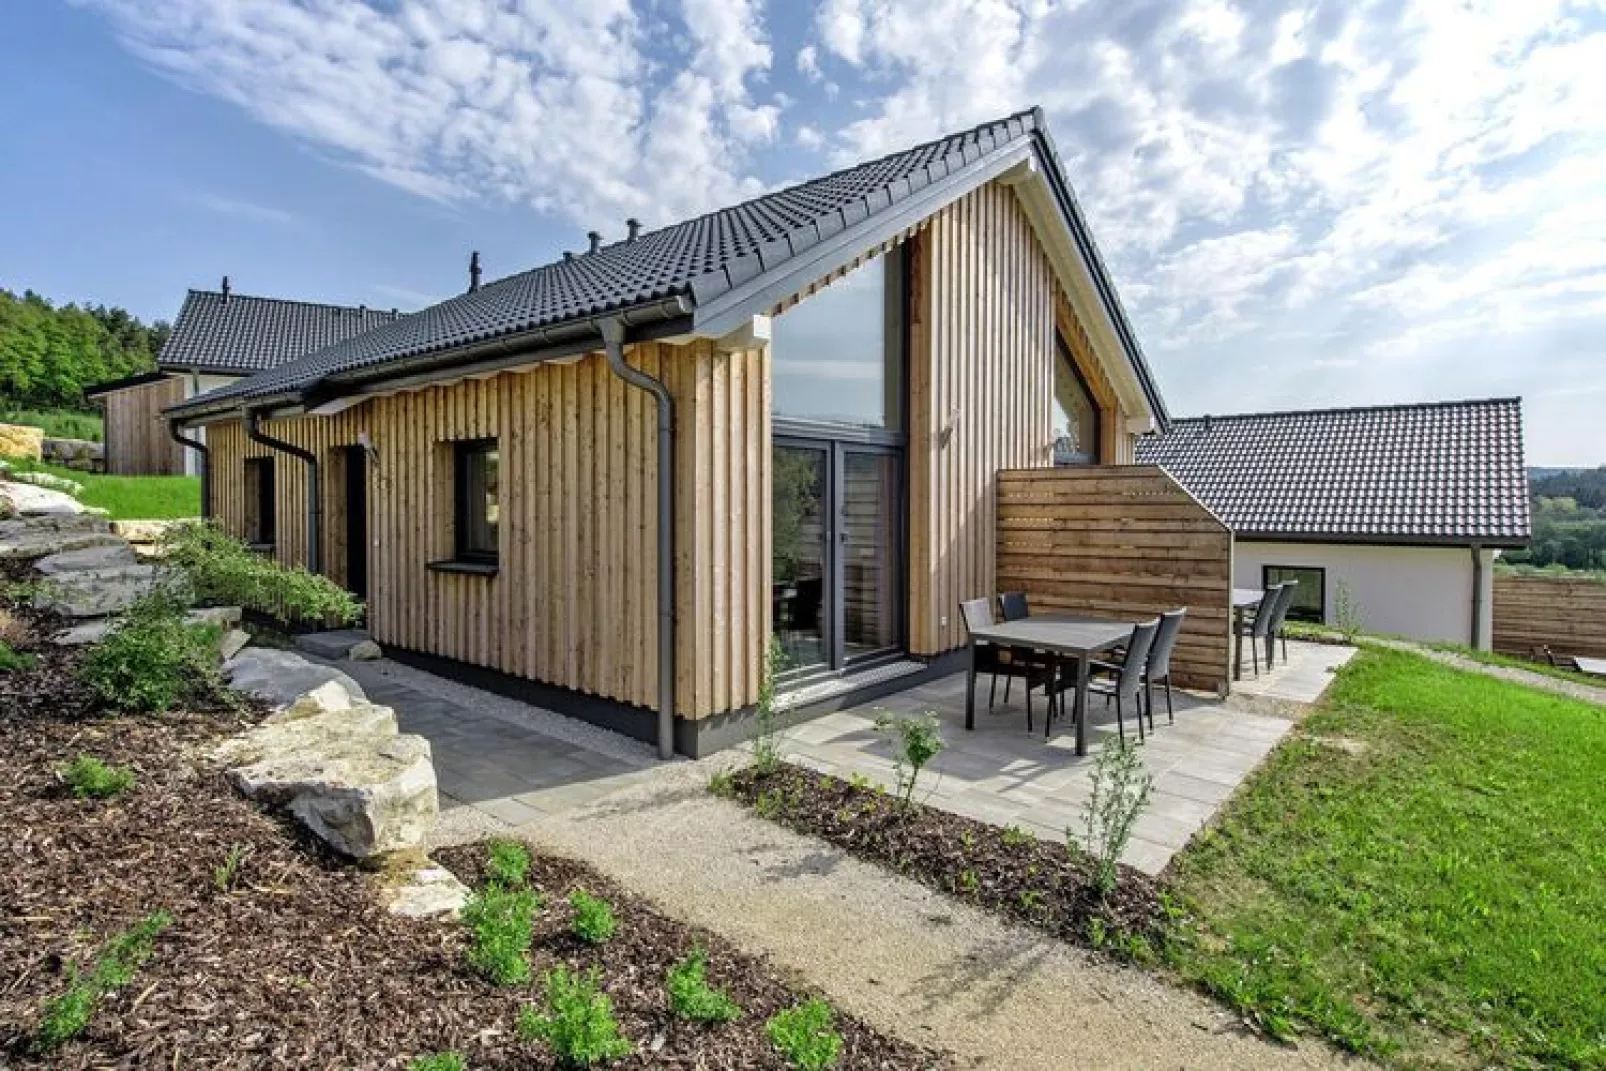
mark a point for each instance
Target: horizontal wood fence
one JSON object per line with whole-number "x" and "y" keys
{"x": 1566, "y": 614}
{"x": 1125, "y": 542}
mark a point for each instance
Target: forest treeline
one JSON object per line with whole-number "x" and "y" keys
{"x": 1569, "y": 520}
{"x": 49, "y": 353}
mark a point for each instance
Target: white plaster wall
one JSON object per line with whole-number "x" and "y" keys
{"x": 1421, "y": 592}
{"x": 192, "y": 460}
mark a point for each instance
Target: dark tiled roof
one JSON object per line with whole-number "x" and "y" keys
{"x": 243, "y": 334}
{"x": 1446, "y": 472}
{"x": 696, "y": 261}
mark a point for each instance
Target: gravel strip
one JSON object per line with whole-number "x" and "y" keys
{"x": 898, "y": 955}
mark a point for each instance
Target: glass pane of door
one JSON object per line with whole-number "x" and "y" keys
{"x": 800, "y": 558}
{"x": 872, "y": 566}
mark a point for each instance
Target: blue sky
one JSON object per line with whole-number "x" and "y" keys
{"x": 1304, "y": 204}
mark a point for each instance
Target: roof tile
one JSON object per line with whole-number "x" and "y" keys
{"x": 243, "y": 334}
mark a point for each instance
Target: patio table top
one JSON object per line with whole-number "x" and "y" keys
{"x": 1074, "y": 634}
{"x": 1242, "y": 597}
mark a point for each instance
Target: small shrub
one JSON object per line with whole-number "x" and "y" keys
{"x": 228, "y": 872}
{"x": 721, "y": 784}
{"x": 220, "y": 569}
{"x": 576, "y": 1020}
{"x": 593, "y": 917}
{"x": 1015, "y": 837}
{"x": 1121, "y": 789}
{"x": 508, "y": 864}
{"x": 13, "y": 633}
{"x": 439, "y": 1061}
{"x": 690, "y": 995}
{"x": 969, "y": 883}
{"x": 11, "y": 661}
{"x": 919, "y": 740}
{"x": 768, "y": 738}
{"x": 805, "y": 1036}
{"x": 153, "y": 660}
{"x": 89, "y": 778}
{"x": 65, "y": 1016}
{"x": 500, "y": 922}
{"x": 1346, "y": 611}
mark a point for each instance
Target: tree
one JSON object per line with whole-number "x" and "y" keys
{"x": 49, "y": 354}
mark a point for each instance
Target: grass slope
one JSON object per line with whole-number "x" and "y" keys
{"x": 1439, "y": 895}
{"x": 130, "y": 497}
{"x": 57, "y": 423}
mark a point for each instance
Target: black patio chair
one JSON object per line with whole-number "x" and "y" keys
{"x": 1007, "y": 662}
{"x": 1158, "y": 669}
{"x": 1126, "y": 684}
{"x": 1279, "y": 616}
{"x": 1012, "y": 606}
{"x": 1256, "y": 628}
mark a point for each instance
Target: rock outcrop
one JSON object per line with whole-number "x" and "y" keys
{"x": 95, "y": 592}
{"x": 19, "y": 440}
{"x": 101, "y": 556}
{"x": 26, "y": 500}
{"x": 279, "y": 678}
{"x": 49, "y": 481}
{"x": 32, "y": 538}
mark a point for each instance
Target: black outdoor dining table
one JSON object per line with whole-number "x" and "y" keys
{"x": 1242, "y": 599}
{"x": 1063, "y": 635}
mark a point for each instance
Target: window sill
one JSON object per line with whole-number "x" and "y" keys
{"x": 261, "y": 548}
{"x": 452, "y": 565}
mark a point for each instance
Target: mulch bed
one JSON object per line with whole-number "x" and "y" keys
{"x": 1009, "y": 873}
{"x": 298, "y": 965}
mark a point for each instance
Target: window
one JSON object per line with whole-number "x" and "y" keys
{"x": 1310, "y": 597}
{"x": 478, "y": 501}
{"x": 1076, "y": 418}
{"x": 261, "y": 528}
{"x": 838, "y": 353}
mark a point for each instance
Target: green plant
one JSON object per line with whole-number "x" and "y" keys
{"x": 721, "y": 784}
{"x": 221, "y": 569}
{"x": 1346, "y": 611}
{"x": 919, "y": 740}
{"x": 969, "y": 883}
{"x": 768, "y": 737}
{"x": 228, "y": 872}
{"x": 805, "y": 1036}
{"x": 10, "y": 660}
{"x": 507, "y": 864}
{"x": 1031, "y": 901}
{"x": 690, "y": 995}
{"x": 500, "y": 922}
{"x": 89, "y": 778}
{"x": 153, "y": 660}
{"x": 66, "y": 1015}
{"x": 1121, "y": 789}
{"x": 593, "y": 920}
{"x": 1015, "y": 837}
{"x": 576, "y": 1020}
{"x": 439, "y": 1061}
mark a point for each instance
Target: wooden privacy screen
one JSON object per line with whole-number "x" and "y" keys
{"x": 1566, "y": 614}
{"x": 1125, "y": 542}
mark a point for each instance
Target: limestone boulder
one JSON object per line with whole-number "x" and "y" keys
{"x": 31, "y": 538}
{"x": 365, "y": 651}
{"x": 49, "y": 481}
{"x": 102, "y": 556}
{"x": 144, "y": 532}
{"x": 95, "y": 592}
{"x": 95, "y": 630}
{"x": 18, "y": 440}
{"x": 231, "y": 643}
{"x": 367, "y": 723}
{"x": 426, "y": 892}
{"x": 279, "y": 678}
{"x": 363, "y": 796}
{"x": 26, "y": 500}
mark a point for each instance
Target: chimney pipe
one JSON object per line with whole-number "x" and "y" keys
{"x": 596, "y": 240}
{"x": 474, "y": 271}
{"x": 568, "y": 254}
{"x": 225, "y": 288}
{"x": 634, "y": 226}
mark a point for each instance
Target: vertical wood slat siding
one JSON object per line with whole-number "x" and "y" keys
{"x": 137, "y": 443}
{"x": 1566, "y": 614}
{"x": 1125, "y": 542}
{"x": 575, "y": 600}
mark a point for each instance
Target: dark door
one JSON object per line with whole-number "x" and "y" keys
{"x": 357, "y": 521}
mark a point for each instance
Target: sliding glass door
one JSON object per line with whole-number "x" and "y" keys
{"x": 837, "y": 547}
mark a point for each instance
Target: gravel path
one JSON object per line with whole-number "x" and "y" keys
{"x": 896, "y": 954}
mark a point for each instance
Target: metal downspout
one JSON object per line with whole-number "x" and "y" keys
{"x": 1477, "y": 597}
{"x": 206, "y": 464}
{"x": 613, "y": 338}
{"x": 254, "y": 432}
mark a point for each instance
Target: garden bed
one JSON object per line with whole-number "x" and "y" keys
{"x": 295, "y": 963}
{"x": 1006, "y": 871}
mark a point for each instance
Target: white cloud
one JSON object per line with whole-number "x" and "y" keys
{"x": 243, "y": 209}
{"x": 808, "y": 138}
{"x": 552, "y": 103}
{"x": 808, "y": 62}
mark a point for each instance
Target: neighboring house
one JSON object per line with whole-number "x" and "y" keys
{"x": 1391, "y": 515}
{"x": 603, "y": 484}
{"x": 218, "y": 338}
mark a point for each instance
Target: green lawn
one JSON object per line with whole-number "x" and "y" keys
{"x": 57, "y": 423}
{"x": 130, "y": 497}
{"x": 1439, "y": 897}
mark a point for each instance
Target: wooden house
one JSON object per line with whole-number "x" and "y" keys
{"x": 606, "y": 483}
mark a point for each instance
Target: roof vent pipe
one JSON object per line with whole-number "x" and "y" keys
{"x": 225, "y": 288}
{"x": 596, "y": 240}
{"x": 568, "y": 254}
{"x": 474, "y": 271}
{"x": 633, "y": 225}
